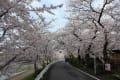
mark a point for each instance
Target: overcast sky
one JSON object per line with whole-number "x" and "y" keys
{"x": 60, "y": 13}
{"x": 60, "y": 21}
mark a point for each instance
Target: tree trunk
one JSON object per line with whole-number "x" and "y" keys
{"x": 35, "y": 66}
{"x": 79, "y": 57}
{"x": 105, "y": 46}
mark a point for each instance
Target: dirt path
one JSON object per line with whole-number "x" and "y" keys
{"x": 22, "y": 76}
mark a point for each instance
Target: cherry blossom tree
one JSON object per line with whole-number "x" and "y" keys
{"x": 97, "y": 20}
{"x": 21, "y": 36}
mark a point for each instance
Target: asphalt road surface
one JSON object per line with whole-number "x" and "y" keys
{"x": 64, "y": 71}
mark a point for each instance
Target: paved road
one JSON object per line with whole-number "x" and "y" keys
{"x": 64, "y": 71}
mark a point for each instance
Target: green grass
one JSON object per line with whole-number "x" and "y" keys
{"x": 117, "y": 73}
{"x": 30, "y": 77}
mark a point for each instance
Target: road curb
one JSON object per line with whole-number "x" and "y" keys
{"x": 45, "y": 70}
{"x": 85, "y": 73}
